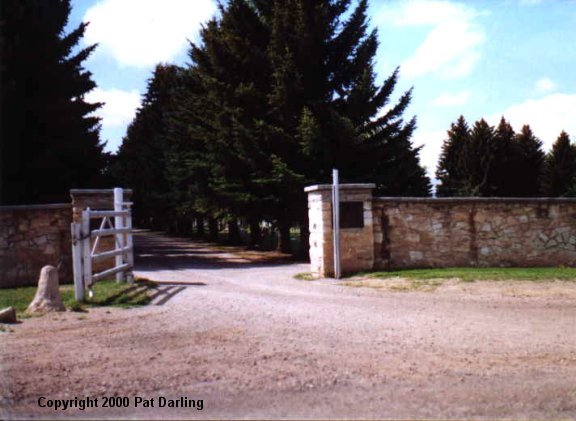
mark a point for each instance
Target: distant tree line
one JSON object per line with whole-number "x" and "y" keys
{"x": 496, "y": 161}
{"x": 276, "y": 95}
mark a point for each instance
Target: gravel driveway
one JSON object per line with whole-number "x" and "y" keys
{"x": 237, "y": 332}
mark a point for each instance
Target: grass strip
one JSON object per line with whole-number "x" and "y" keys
{"x": 106, "y": 293}
{"x": 482, "y": 274}
{"x": 305, "y": 276}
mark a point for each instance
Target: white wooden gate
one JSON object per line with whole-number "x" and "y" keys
{"x": 85, "y": 252}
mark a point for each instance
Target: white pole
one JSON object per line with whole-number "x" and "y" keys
{"x": 86, "y": 250}
{"x": 130, "y": 246}
{"x": 77, "y": 261}
{"x": 119, "y": 223}
{"x": 336, "y": 222}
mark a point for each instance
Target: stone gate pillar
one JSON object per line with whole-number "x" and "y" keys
{"x": 356, "y": 228}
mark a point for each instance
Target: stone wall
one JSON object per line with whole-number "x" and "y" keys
{"x": 31, "y": 237}
{"x": 470, "y": 232}
{"x": 446, "y": 232}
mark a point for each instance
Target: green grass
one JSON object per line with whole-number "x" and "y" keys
{"x": 395, "y": 284}
{"x": 482, "y": 274}
{"x": 305, "y": 276}
{"x": 106, "y": 293}
{"x": 428, "y": 280}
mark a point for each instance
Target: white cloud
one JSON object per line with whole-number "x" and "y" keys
{"x": 119, "y": 106}
{"x": 451, "y": 46}
{"x": 426, "y": 12}
{"x": 547, "y": 116}
{"x": 144, "y": 32}
{"x": 448, "y": 99}
{"x": 544, "y": 85}
{"x": 432, "y": 141}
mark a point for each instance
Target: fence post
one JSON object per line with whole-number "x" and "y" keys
{"x": 336, "y": 222}
{"x": 118, "y": 224}
{"x": 86, "y": 249}
{"x": 130, "y": 246}
{"x": 76, "y": 230}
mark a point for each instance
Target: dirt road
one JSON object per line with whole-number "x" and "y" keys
{"x": 237, "y": 332}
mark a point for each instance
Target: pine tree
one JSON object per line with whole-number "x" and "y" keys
{"x": 500, "y": 180}
{"x": 559, "y": 168}
{"x": 450, "y": 170}
{"x": 478, "y": 158}
{"x": 141, "y": 161}
{"x": 526, "y": 169}
{"x": 285, "y": 92}
{"x": 217, "y": 129}
{"x": 572, "y": 190}
{"x": 50, "y": 140}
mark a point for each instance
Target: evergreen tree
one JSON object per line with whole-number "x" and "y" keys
{"x": 478, "y": 158}
{"x": 49, "y": 140}
{"x": 526, "y": 169}
{"x": 141, "y": 162}
{"x": 285, "y": 92}
{"x": 572, "y": 190}
{"x": 490, "y": 162}
{"x": 559, "y": 168}
{"x": 500, "y": 181}
{"x": 216, "y": 164}
{"x": 450, "y": 170}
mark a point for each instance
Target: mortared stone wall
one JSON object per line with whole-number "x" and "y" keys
{"x": 474, "y": 232}
{"x": 31, "y": 237}
{"x": 398, "y": 233}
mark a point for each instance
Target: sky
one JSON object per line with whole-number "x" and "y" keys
{"x": 480, "y": 59}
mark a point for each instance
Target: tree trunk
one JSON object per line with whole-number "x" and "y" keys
{"x": 185, "y": 226}
{"x": 284, "y": 238}
{"x": 255, "y": 233}
{"x": 200, "y": 232}
{"x": 213, "y": 228}
{"x": 233, "y": 231}
{"x": 304, "y": 251}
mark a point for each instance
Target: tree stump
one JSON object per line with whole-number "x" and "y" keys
{"x": 47, "y": 295}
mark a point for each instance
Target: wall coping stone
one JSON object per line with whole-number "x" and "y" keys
{"x": 90, "y": 191}
{"x": 319, "y": 187}
{"x": 34, "y": 207}
{"x": 433, "y": 200}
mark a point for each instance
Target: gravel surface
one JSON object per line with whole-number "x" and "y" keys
{"x": 237, "y": 332}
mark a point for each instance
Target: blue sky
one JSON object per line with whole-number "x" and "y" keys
{"x": 485, "y": 58}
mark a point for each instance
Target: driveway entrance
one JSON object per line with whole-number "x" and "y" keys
{"x": 251, "y": 341}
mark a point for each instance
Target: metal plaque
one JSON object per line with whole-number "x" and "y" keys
{"x": 351, "y": 214}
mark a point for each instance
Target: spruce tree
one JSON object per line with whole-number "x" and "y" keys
{"x": 477, "y": 160}
{"x": 141, "y": 161}
{"x": 285, "y": 92}
{"x": 49, "y": 139}
{"x": 450, "y": 171}
{"x": 526, "y": 169}
{"x": 218, "y": 125}
{"x": 559, "y": 168}
{"x": 490, "y": 162}
{"x": 572, "y": 189}
{"x": 500, "y": 181}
